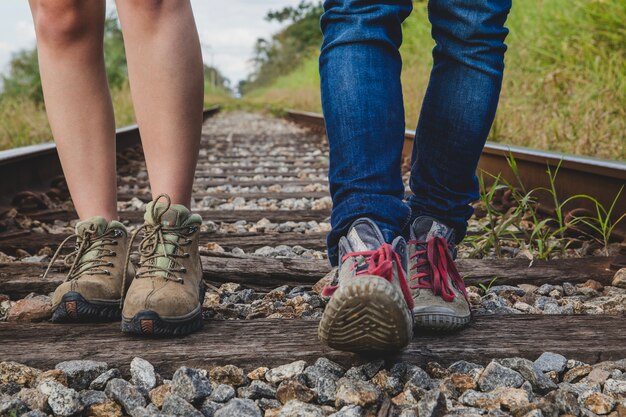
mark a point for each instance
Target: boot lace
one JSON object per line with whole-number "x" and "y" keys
{"x": 433, "y": 266}
{"x": 379, "y": 262}
{"x": 152, "y": 248}
{"x": 87, "y": 242}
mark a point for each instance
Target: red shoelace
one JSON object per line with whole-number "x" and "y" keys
{"x": 438, "y": 265}
{"x": 379, "y": 263}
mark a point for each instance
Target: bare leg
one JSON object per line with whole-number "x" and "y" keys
{"x": 166, "y": 80}
{"x": 78, "y": 102}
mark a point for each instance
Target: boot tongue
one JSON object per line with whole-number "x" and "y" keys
{"x": 425, "y": 228}
{"x": 157, "y": 212}
{"x": 96, "y": 225}
{"x": 364, "y": 235}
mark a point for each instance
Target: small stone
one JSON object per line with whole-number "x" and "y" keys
{"x": 101, "y": 381}
{"x": 223, "y": 393}
{"x": 496, "y": 375}
{"x": 487, "y": 401}
{"x": 80, "y": 373}
{"x": 177, "y": 407}
{"x": 619, "y": 280}
{"x": 417, "y": 376}
{"x": 295, "y": 408}
{"x": 349, "y": 411}
{"x": 593, "y": 284}
{"x": 540, "y": 382}
{"x": 463, "y": 382}
{"x": 291, "y": 389}
{"x": 566, "y": 402}
{"x": 142, "y": 373}
{"x": 209, "y": 407}
{"x": 63, "y": 401}
{"x": 191, "y": 384}
{"x": 597, "y": 376}
{"x": 511, "y": 398}
{"x": 89, "y": 397}
{"x": 325, "y": 389}
{"x": 391, "y": 384}
{"x": 258, "y": 373}
{"x": 576, "y": 374}
{"x": 148, "y": 411}
{"x": 34, "y": 399}
{"x": 158, "y": 394}
{"x": 569, "y": 289}
{"x": 35, "y": 413}
{"x": 18, "y": 373}
{"x": 579, "y": 388}
{"x": 356, "y": 392}
{"x": 597, "y": 402}
{"x": 435, "y": 370}
{"x": 615, "y": 388}
{"x": 326, "y": 281}
{"x": 125, "y": 393}
{"x": 229, "y": 374}
{"x": 464, "y": 367}
{"x": 269, "y": 403}
{"x": 12, "y": 407}
{"x": 257, "y": 389}
{"x": 549, "y": 361}
{"x": 33, "y": 309}
{"x": 433, "y": 404}
{"x": 506, "y": 289}
{"x": 240, "y": 408}
{"x": 290, "y": 370}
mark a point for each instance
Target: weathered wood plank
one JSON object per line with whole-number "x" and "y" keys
{"x": 265, "y": 342}
{"x": 226, "y": 216}
{"x": 19, "y": 279}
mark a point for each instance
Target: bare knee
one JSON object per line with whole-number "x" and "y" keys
{"x": 152, "y": 10}
{"x": 59, "y": 23}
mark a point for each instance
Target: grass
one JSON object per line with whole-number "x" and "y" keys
{"x": 565, "y": 81}
{"x": 24, "y": 122}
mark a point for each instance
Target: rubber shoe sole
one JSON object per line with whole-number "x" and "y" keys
{"x": 149, "y": 324}
{"x": 74, "y": 308}
{"x": 366, "y": 315}
{"x": 440, "y": 321}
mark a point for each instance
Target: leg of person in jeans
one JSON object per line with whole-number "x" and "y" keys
{"x": 457, "y": 113}
{"x": 362, "y": 100}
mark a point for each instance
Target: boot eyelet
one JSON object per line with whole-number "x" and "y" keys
{"x": 183, "y": 270}
{"x": 113, "y": 254}
{"x": 106, "y": 271}
{"x": 186, "y": 255}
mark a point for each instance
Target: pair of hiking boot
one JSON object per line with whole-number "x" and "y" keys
{"x": 162, "y": 297}
{"x": 382, "y": 291}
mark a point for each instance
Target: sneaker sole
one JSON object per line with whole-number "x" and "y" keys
{"x": 367, "y": 315}
{"x": 148, "y": 323}
{"x": 74, "y": 308}
{"x": 440, "y": 321}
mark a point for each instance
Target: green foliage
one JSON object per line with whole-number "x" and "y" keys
{"x": 286, "y": 49}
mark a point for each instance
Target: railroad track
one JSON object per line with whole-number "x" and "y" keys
{"x": 261, "y": 189}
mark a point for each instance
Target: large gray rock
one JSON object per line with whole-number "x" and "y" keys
{"x": 80, "y": 373}
{"x": 290, "y": 370}
{"x": 325, "y": 387}
{"x": 549, "y": 361}
{"x": 222, "y": 393}
{"x": 91, "y": 397}
{"x": 356, "y": 392}
{"x": 295, "y": 408}
{"x": 63, "y": 401}
{"x": 496, "y": 375}
{"x": 240, "y": 408}
{"x": 257, "y": 389}
{"x": 191, "y": 384}
{"x": 142, "y": 373}
{"x": 530, "y": 372}
{"x": 12, "y": 407}
{"x": 177, "y": 407}
{"x": 433, "y": 404}
{"x": 125, "y": 394}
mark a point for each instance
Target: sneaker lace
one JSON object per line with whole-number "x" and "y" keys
{"x": 379, "y": 263}
{"x": 87, "y": 242}
{"x": 152, "y": 248}
{"x": 433, "y": 267}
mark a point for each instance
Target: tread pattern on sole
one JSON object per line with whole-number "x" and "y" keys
{"x": 73, "y": 308}
{"x": 441, "y": 322}
{"x": 366, "y": 315}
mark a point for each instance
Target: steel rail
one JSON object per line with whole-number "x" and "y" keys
{"x": 601, "y": 179}
{"x": 33, "y": 167}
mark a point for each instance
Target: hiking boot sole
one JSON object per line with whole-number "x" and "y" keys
{"x": 74, "y": 308}
{"x": 148, "y": 323}
{"x": 440, "y": 321}
{"x": 366, "y": 315}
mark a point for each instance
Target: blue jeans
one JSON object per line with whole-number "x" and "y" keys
{"x": 363, "y": 106}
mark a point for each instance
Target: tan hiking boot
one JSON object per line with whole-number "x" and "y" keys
{"x": 165, "y": 299}
{"x": 370, "y": 307}
{"x": 93, "y": 289}
{"x": 438, "y": 290}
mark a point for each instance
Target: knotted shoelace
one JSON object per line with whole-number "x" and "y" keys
{"x": 379, "y": 263}
{"x": 432, "y": 270}
{"x": 87, "y": 242}
{"x": 152, "y": 248}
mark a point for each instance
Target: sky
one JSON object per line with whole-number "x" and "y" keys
{"x": 228, "y": 30}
